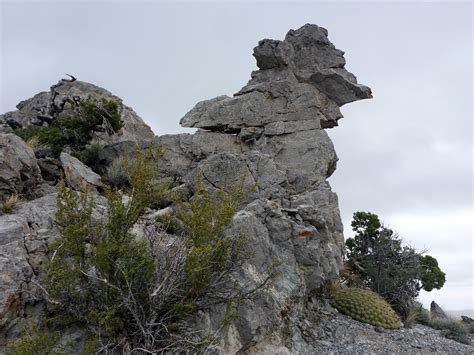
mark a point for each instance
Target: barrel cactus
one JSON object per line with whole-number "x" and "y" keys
{"x": 367, "y": 307}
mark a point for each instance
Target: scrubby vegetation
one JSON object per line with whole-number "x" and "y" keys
{"x": 377, "y": 260}
{"x": 140, "y": 292}
{"x": 77, "y": 129}
{"x": 9, "y": 204}
{"x": 367, "y": 307}
{"x": 35, "y": 342}
{"x": 450, "y": 328}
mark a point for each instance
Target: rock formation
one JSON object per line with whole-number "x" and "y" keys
{"x": 44, "y": 107}
{"x": 436, "y": 312}
{"x": 271, "y": 132}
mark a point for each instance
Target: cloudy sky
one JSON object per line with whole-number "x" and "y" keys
{"x": 405, "y": 155}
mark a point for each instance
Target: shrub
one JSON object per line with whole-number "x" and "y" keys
{"x": 10, "y": 203}
{"x": 89, "y": 155}
{"x": 380, "y": 262}
{"x": 452, "y": 330}
{"x": 34, "y": 142}
{"x": 115, "y": 173}
{"x": 424, "y": 317}
{"x": 367, "y": 307}
{"x": 431, "y": 275}
{"x": 77, "y": 130}
{"x": 34, "y": 342}
{"x": 471, "y": 328}
{"x": 145, "y": 288}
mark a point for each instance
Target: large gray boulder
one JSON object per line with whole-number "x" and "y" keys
{"x": 25, "y": 237}
{"x": 79, "y": 174}
{"x": 44, "y": 107}
{"x": 19, "y": 171}
{"x": 436, "y": 312}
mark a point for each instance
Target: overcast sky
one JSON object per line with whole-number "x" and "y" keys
{"x": 405, "y": 155}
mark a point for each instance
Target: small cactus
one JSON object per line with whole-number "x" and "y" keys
{"x": 367, "y": 307}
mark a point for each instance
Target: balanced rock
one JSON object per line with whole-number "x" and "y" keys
{"x": 300, "y": 79}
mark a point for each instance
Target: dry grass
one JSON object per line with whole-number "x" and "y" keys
{"x": 412, "y": 317}
{"x": 332, "y": 286}
{"x": 10, "y": 203}
{"x": 34, "y": 142}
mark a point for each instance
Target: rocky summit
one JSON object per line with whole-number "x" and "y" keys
{"x": 271, "y": 133}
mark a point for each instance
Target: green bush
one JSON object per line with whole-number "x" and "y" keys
{"x": 377, "y": 259}
{"x": 76, "y": 131}
{"x": 125, "y": 287}
{"x": 93, "y": 266}
{"x": 115, "y": 173}
{"x": 34, "y": 342}
{"x": 367, "y": 307}
{"x": 89, "y": 155}
{"x": 424, "y": 317}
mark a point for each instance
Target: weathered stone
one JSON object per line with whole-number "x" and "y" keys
{"x": 300, "y": 79}
{"x": 79, "y": 174}
{"x": 19, "y": 170}
{"x": 24, "y": 240}
{"x": 50, "y": 169}
{"x": 270, "y": 134}
{"x": 44, "y": 107}
{"x": 110, "y": 152}
{"x": 436, "y": 312}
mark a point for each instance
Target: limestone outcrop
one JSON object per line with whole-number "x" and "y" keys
{"x": 43, "y": 108}
{"x": 272, "y": 133}
{"x": 300, "y": 86}
{"x": 19, "y": 171}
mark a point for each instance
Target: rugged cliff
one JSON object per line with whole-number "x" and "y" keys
{"x": 272, "y": 132}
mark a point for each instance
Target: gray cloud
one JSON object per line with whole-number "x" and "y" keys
{"x": 407, "y": 152}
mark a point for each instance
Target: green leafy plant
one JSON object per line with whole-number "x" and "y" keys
{"x": 76, "y": 131}
{"x": 213, "y": 255}
{"x": 367, "y": 307}
{"x": 431, "y": 275}
{"x": 377, "y": 259}
{"x": 35, "y": 341}
{"x": 89, "y": 155}
{"x": 145, "y": 288}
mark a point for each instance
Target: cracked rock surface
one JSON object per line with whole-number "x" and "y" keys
{"x": 272, "y": 132}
